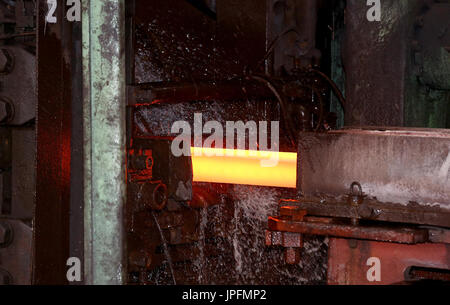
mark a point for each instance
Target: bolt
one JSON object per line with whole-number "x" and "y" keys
{"x": 293, "y": 212}
{"x": 292, "y": 256}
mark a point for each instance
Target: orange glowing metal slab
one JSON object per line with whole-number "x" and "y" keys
{"x": 234, "y": 166}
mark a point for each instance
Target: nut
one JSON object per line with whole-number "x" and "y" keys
{"x": 292, "y": 256}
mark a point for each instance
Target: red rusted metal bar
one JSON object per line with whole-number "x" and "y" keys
{"x": 397, "y": 235}
{"x": 372, "y": 209}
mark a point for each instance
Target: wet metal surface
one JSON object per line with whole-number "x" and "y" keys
{"x": 376, "y": 65}
{"x": 397, "y": 72}
{"x": 157, "y": 93}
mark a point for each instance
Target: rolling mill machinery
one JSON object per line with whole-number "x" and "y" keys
{"x": 354, "y": 98}
{"x": 372, "y": 192}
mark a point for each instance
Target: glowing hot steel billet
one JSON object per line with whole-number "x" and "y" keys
{"x": 233, "y": 166}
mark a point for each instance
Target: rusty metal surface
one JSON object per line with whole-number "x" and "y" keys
{"x": 23, "y": 173}
{"x": 438, "y": 235}
{"x": 51, "y": 225}
{"x": 402, "y": 166}
{"x": 292, "y": 242}
{"x": 205, "y": 195}
{"x": 376, "y": 66}
{"x": 157, "y": 120}
{"x": 157, "y": 216}
{"x": 432, "y": 36}
{"x": 5, "y": 165}
{"x": 427, "y": 274}
{"x": 378, "y": 233}
{"x": 144, "y": 240}
{"x": 18, "y": 97}
{"x": 15, "y": 257}
{"x": 284, "y": 239}
{"x": 292, "y": 33}
{"x": 241, "y": 30}
{"x": 347, "y": 260}
{"x": 177, "y": 42}
{"x": 372, "y": 209}
{"x": 19, "y": 85}
{"x": 175, "y": 172}
{"x": 396, "y": 73}
{"x": 104, "y": 81}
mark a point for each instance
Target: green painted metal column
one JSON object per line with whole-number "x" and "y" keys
{"x": 104, "y": 139}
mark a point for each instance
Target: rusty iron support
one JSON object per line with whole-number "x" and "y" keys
{"x": 51, "y": 223}
{"x": 104, "y": 80}
{"x": 387, "y": 234}
{"x": 438, "y": 235}
{"x": 372, "y": 210}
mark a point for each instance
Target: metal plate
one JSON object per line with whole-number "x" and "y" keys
{"x": 347, "y": 260}
{"x": 402, "y": 166}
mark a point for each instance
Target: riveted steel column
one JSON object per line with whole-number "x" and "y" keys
{"x": 104, "y": 139}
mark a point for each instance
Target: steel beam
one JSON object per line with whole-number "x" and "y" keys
{"x": 377, "y": 233}
{"x": 53, "y": 149}
{"x": 409, "y": 167}
{"x": 104, "y": 139}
